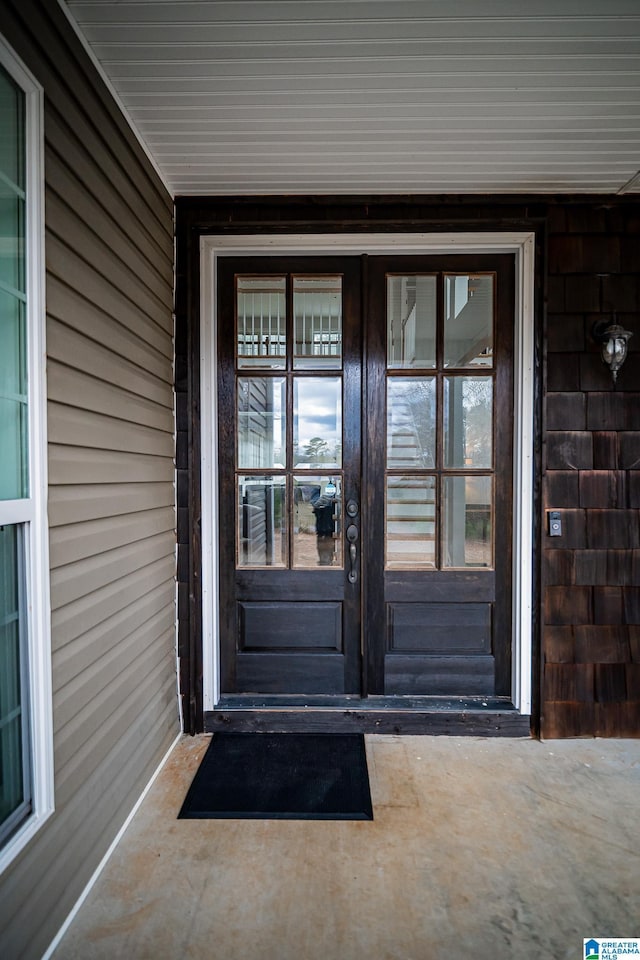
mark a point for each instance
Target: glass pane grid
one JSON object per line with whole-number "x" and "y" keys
{"x": 439, "y": 428}
{"x": 287, "y": 423}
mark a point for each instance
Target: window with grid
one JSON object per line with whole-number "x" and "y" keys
{"x": 26, "y": 791}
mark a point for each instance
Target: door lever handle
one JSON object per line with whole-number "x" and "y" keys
{"x": 352, "y": 536}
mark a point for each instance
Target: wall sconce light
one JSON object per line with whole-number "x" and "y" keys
{"x": 614, "y": 340}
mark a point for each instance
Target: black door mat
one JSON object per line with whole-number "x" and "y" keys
{"x": 281, "y": 776}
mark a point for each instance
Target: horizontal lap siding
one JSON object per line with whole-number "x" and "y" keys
{"x": 591, "y": 575}
{"x": 109, "y": 256}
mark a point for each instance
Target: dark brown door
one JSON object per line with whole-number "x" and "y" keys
{"x": 365, "y": 450}
{"x": 289, "y": 453}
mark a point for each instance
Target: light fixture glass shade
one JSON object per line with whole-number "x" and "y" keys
{"x": 614, "y": 347}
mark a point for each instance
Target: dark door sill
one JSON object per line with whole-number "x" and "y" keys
{"x": 455, "y": 716}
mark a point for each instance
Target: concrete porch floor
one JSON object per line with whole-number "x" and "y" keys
{"x": 492, "y": 849}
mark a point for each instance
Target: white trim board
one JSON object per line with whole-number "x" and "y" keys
{"x": 522, "y": 244}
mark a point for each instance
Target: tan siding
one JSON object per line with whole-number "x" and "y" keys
{"x": 75, "y": 503}
{"x": 109, "y": 252}
{"x": 76, "y": 580}
{"x": 67, "y": 141}
{"x": 63, "y": 266}
{"x": 79, "y": 465}
{"x": 74, "y": 619}
{"x": 76, "y": 541}
{"x": 95, "y": 684}
{"x": 69, "y": 425}
{"x": 77, "y": 389}
{"x": 78, "y": 739}
{"x": 111, "y": 232}
{"x": 143, "y": 344}
{"x": 79, "y": 654}
{"x": 65, "y": 224}
{"x": 102, "y": 362}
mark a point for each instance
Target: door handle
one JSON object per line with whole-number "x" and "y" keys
{"x": 352, "y": 537}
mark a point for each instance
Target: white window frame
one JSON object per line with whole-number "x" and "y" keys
{"x": 31, "y": 512}
{"x": 522, "y": 245}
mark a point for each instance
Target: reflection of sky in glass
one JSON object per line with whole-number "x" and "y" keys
{"x": 317, "y": 420}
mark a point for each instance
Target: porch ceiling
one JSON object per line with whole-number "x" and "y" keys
{"x": 363, "y": 96}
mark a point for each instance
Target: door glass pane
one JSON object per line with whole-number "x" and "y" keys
{"x": 468, "y": 425}
{"x": 411, "y": 522}
{"x": 411, "y": 422}
{"x": 467, "y": 522}
{"x": 261, "y": 422}
{"x": 12, "y": 740}
{"x": 468, "y": 321}
{"x": 317, "y": 312}
{"x": 261, "y": 522}
{"x": 317, "y": 422}
{"x": 411, "y": 321}
{"x": 317, "y": 538}
{"x": 261, "y": 322}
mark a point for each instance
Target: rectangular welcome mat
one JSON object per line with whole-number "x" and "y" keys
{"x": 281, "y": 776}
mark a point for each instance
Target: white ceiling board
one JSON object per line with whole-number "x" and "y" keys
{"x": 392, "y": 96}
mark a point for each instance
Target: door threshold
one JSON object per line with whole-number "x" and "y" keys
{"x": 470, "y": 716}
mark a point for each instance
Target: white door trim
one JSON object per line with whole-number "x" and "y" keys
{"x": 519, "y": 243}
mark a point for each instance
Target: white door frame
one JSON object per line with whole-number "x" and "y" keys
{"x": 519, "y": 243}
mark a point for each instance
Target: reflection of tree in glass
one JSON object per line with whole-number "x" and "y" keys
{"x": 477, "y": 421}
{"x": 317, "y": 450}
{"x": 421, "y": 404}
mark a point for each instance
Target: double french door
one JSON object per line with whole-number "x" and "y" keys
{"x": 365, "y": 424}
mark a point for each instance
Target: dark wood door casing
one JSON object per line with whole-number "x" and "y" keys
{"x": 394, "y": 604}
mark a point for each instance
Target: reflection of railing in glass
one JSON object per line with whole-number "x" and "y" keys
{"x": 317, "y": 310}
{"x": 261, "y": 321}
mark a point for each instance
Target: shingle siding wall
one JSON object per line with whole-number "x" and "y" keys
{"x": 591, "y": 576}
{"x": 109, "y": 258}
